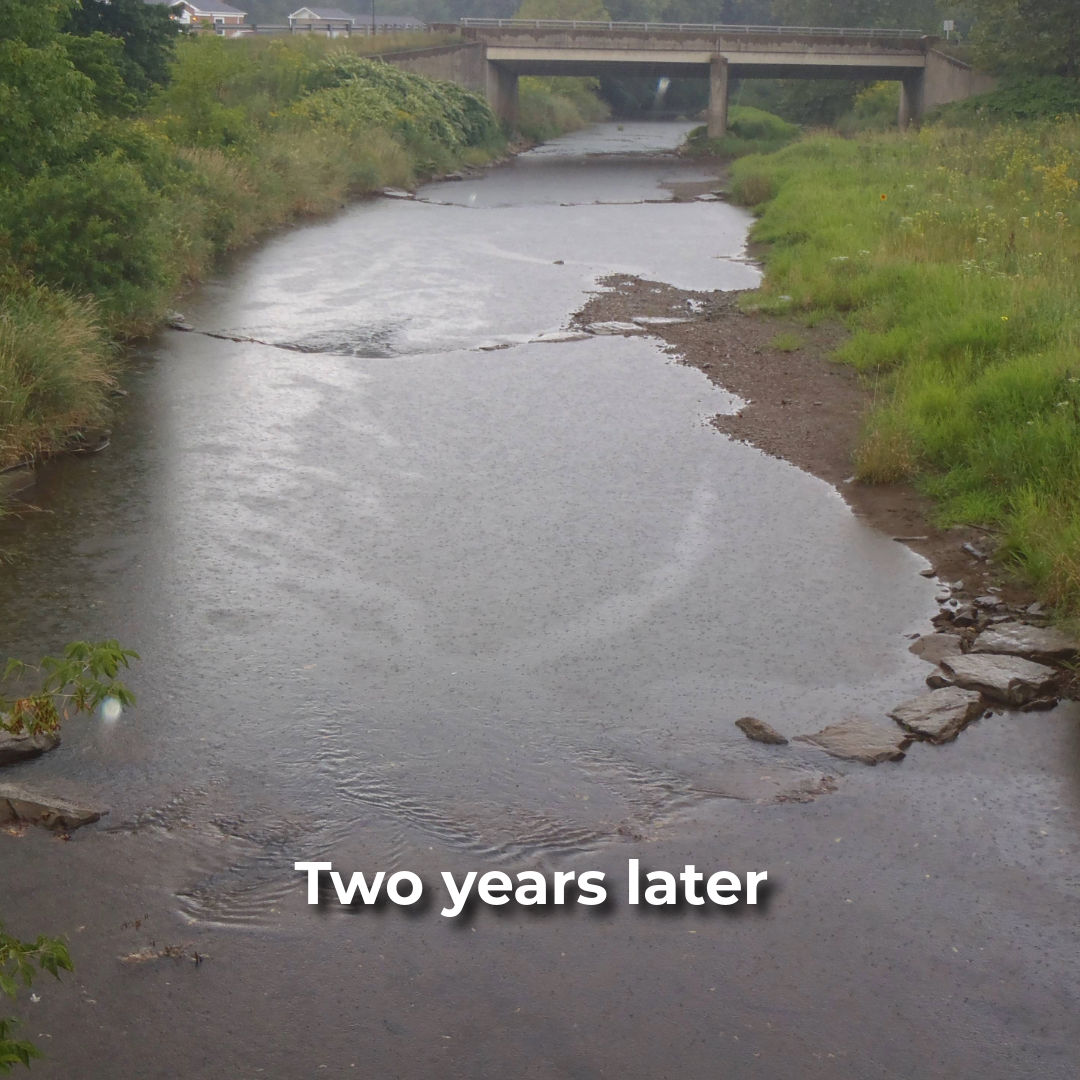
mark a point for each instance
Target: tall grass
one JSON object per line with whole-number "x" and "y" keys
{"x": 249, "y": 134}
{"x": 56, "y": 369}
{"x": 952, "y": 256}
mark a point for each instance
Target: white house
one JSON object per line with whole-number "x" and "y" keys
{"x": 335, "y": 22}
{"x": 224, "y": 19}
{"x": 332, "y": 21}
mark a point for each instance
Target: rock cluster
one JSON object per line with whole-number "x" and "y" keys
{"x": 983, "y": 654}
{"x": 21, "y": 806}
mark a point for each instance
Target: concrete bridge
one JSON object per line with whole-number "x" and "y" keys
{"x": 509, "y": 48}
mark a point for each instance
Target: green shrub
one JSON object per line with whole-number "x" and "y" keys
{"x": 96, "y": 229}
{"x": 749, "y": 131}
{"x": 876, "y": 108}
{"x": 55, "y": 368}
{"x": 1029, "y": 97}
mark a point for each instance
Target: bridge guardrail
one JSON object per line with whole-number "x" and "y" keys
{"x": 710, "y": 28}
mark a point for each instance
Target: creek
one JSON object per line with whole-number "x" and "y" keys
{"x": 417, "y": 591}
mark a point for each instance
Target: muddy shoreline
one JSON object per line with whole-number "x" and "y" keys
{"x": 804, "y": 408}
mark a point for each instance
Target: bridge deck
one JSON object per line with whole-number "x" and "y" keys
{"x": 565, "y": 47}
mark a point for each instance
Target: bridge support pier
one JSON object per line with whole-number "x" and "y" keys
{"x": 501, "y": 91}
{"x": 718, "y": 98}
{"x": 912, "y": 98}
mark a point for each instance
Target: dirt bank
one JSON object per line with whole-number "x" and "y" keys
{"x": 802, "y": 407}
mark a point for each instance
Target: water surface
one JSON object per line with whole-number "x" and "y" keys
{"x": 404, "y": 602}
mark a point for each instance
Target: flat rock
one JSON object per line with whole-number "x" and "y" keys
{"x": 1045, "y": 644}
{"x": 32, "y": 808}
{"x": 555, "y": 336}
{"x": 933, "y": 648}
{"x": 659, "y": 320}
{"x": 759, "y": 731}
{"x": 964, "y": 616}
{"x": 859, "y": 739}
{"x": 939, "y": 715}
{"x": 1040, "y": 704}
{"x": 15, "y": 748}
{"x": 1010, "y": 679}
{"x": 396, "y": 193}
{"x": 613, "y": 328}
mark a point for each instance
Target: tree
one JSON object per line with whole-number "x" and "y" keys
{"x": 922, "y": 15}
{"x": 46, "y": 105}
{"x": 584, "y": 10}
{"x": 1035, "y": 37}
{"x": 146, "y": 30}
{"x": 17, "y": 961}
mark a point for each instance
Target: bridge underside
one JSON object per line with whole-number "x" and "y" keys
{"x": 506, "y": 64}
{"x": 694, "y": 64}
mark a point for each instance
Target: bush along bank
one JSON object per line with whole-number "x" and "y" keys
{"x": 552, "y": 106}
{"x": 749, "y": 131}
{"x": 950, "y": 255}
{"x": 109, "y": 211}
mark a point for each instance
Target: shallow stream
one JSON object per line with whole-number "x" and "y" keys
{"x": 416, "y": 590}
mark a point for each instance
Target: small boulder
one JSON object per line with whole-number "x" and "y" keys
{"x": 1040, "y": 704}
{"x": 759, "y": 731}
{"x": 1044, "y": 644}
{"x": 940, "y": 715}
{"x": 22, "y": 747}
{"x": 1009, "y": 679}
{"x": 933, "y": 648}
{"x": 964, "y": 616}
{"x": 18, "y": 805}
{"x": 858, "y": 739}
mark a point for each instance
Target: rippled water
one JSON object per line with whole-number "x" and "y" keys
{"x": 403, "y": 601}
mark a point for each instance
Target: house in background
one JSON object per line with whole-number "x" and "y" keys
{"x": 335, "y": 22}
{"x": 331, "y": 21}
{"x": 223, "y": 19}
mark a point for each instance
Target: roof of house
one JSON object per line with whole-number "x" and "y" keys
{"x": 329, "y": 14}
{"x": 337, "y": 15}
{"x": 206, "y": 7}
{"x": 392, "y": 20}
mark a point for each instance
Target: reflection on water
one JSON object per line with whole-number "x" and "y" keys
{"x": 504, "y": 603}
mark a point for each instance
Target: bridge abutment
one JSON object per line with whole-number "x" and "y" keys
{"x": 912, "y": 98}
{"x": 718, "y": 98}
{"x": 501, "y": 90}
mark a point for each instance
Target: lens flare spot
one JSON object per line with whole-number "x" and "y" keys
{"x": 111, "y": 709}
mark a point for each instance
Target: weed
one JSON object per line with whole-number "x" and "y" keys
{"x": 787, "y": 342}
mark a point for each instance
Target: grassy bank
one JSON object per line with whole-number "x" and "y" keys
{"x": 749, "y": 131}
{"x": 550, "y": 107}
{"x": 951, "y": 255}
{"x": 111, "y": 212}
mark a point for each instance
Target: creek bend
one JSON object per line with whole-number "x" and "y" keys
{"x": 416, "y": 591}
